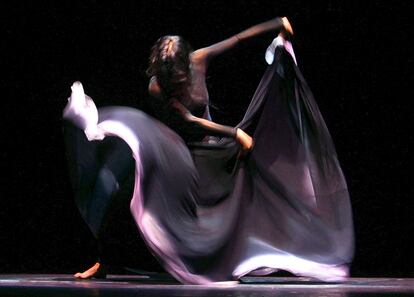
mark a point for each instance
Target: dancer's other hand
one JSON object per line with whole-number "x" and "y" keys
{"x": 245, "y": 141}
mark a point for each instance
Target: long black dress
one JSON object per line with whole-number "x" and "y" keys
{"x": 208, "y": 216}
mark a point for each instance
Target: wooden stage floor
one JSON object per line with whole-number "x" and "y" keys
{"x": 162, "y": 285}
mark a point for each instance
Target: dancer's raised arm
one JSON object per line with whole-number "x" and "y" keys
{"x": 202, "y": 56}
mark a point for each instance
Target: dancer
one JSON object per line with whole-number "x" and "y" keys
{"x": 190, "y": 126}
{"x": 210, "y": 216}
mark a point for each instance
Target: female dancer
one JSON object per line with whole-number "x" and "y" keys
{"x": 210, "y": 216}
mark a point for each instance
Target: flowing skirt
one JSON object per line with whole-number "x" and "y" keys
{"x": 207, "y": 215}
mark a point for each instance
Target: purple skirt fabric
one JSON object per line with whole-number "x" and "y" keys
{"x": 208, "y": 216}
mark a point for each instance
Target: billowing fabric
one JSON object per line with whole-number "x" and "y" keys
{"x": 208, "y": 215}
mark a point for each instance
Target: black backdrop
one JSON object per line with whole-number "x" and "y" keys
{"x": 353, "y": 54}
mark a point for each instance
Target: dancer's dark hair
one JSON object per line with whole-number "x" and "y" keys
{"x": 170, "y": 63}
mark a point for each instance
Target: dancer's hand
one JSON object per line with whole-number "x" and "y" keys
{"x": 245, "y": 141}
{"x": 287, "y": 26}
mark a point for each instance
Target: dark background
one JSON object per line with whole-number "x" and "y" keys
{"x": 354, "y": 55}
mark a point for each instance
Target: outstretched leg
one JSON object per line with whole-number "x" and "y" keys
{"x": 116, "y": 165}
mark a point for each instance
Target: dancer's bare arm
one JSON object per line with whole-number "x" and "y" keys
{"x": 202, "y": 56}
{"x": 215, "y": 129}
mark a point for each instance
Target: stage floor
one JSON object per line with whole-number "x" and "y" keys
{"x": 162, "y": 285}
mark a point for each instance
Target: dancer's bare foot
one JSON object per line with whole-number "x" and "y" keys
{"x": 96, "y": 271}
{"x": 287, "y": 26}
